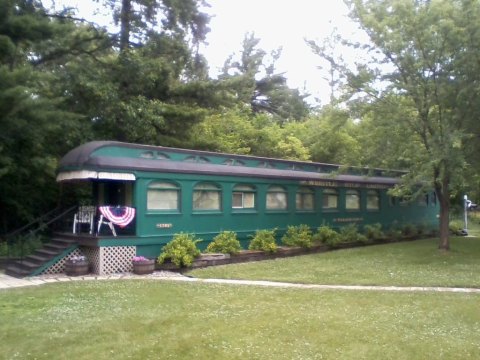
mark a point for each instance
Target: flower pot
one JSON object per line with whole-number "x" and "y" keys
{"x": 76, "y": 268}
{"x": 143, "y": 267}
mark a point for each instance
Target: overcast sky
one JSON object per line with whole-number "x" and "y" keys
{"x": 278, "y": 23}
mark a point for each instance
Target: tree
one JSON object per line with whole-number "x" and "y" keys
{"x": 35, "y": 125}
{"x": 432, "y": 50}
{"x": 237, "y": 131}
{"x": 151, "y": 85}
{"x": 256, "y": 83}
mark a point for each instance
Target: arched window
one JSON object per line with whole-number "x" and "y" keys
{"x": 243, "y": 197}
{"x": 352, "y": 200}
{"x": 373, "y": 200}
{"x": 162, "y": 195}
{"x": 207, "y": 196}
{"x": 305, "y": 199}
{"x": 276, "y": 198}
{"x": 330, "y": 199}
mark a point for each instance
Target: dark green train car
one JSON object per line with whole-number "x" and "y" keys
{"x": 179, "y": 190}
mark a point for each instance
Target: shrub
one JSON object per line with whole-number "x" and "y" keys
{"x": 408, "y": 230}
{"x": 263, "y": 240}
{"x": 226, "y": 243}
{"x": 181, "y": 251}
{"x": 350, "y": 233}
{"x": 300, "y": 235}
{"x": 374, "y": 231}
{"x": 456, "y": 227}
{"x": 394, "y": 231}
{"x": 326, "y": 235}
{"x": 21, "y": 246}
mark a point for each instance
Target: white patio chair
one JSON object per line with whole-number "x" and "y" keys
{"x": 85, "y": 215}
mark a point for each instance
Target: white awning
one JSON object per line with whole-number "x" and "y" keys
{"x": 87, "y": 174}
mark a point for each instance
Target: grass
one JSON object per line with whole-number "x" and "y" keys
{"x": 142, "y": 319}
{"x": 152, "y": 319}
{"x": 416, "y": 263}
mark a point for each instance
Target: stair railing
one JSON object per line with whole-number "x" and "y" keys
{"x": 16, "y": 239}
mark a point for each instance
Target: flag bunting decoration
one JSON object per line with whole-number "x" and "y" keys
{"x": 118, "y": 215}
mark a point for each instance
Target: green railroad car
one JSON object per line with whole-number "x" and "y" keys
{"x": 178, "y": 190}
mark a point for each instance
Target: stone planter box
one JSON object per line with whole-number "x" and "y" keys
{"x": 76, "y": 268}
{"x": 144, "y": 267}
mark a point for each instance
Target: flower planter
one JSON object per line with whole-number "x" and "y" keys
{"x": 76, "y": 267}
{"x": 143, "y": 267}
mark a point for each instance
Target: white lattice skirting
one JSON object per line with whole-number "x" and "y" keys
{"x": 103, "y": 260}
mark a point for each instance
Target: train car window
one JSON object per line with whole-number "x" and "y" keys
{"x": 162, "y": 156}
{"x": 276, "y": 198}
{"x": 330, "y": 199}
{"x": 373, "y": 200}
{"x": 163, "y": 196}
{"x": 243, "y": 197}
{"x": 196, "y": 159}
{"x": 207, "y": 196}
{"x": 147, "y": 155}
{"x": 305, "y": 199}
{"x": 352, "y": 200}
{"x": 265, "y": 164}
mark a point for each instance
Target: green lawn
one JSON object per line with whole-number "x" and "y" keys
{"x": 147, "y": 319}
{"x": 154, "y": 319}
{"x": 416, "y": 263}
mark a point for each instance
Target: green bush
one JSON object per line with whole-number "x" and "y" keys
{"x": 21, "y": 246}
{"x": 326, "y": 235}
{"x": 408, "y": 230}
{"x": 181, "y": 251}
{"x": 373, "y": 231}
{"x": 350, "y": 233}
{"x": 456, "y": 227}
{"x": 300, "y": 235}
{"x": 226, "y": 243}
{"x": 3, "y": 248}
{"x": 263, "y": 240}
{"x": 394, "y": 231}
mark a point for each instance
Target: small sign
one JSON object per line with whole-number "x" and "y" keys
{"x": 164, "y": 226}
{"x": 353, "y": 219}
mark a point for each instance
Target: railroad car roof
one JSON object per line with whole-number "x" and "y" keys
{"x": 125, "y": 157}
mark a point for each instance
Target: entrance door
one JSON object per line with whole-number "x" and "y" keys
{"x": 114, "y": 193}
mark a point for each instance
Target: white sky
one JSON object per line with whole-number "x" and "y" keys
{"x": 278, "y": 23}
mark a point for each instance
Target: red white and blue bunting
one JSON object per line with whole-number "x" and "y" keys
{"x": 118, "y": 215}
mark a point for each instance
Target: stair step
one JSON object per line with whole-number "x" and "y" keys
{"x": 29, "y": 264}
{"x": 38, "y": 258}
{"x": 55, "y": 247}
{"x": 45, "y": 252}
{"x": 15, "y": 271}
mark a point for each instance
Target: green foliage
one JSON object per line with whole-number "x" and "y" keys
{"x": 245, "y": 133}
{"x": 373, "y": 231}
{"x": 456, "y": 227}
{"x": 226, "y": 243}
{"x": 408, "y": 230}
{"x": 251, "y": 81}
{"x": 181, "y": 251}
{"x": 350, "y": 233}
{"x": 326, "y": 235}
{"x": 21, "y": 246}
{"x": 300, "y": 235}
{"x": 263, "y": 240}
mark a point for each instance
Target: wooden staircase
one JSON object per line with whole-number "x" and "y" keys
{"x": 35, "y": 262}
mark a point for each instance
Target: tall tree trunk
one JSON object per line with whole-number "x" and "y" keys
{"x": 442, "y": 195}
{"x": 125, "y": 14}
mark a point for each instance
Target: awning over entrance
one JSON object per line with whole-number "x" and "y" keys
{"x": 87, "y": 174}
